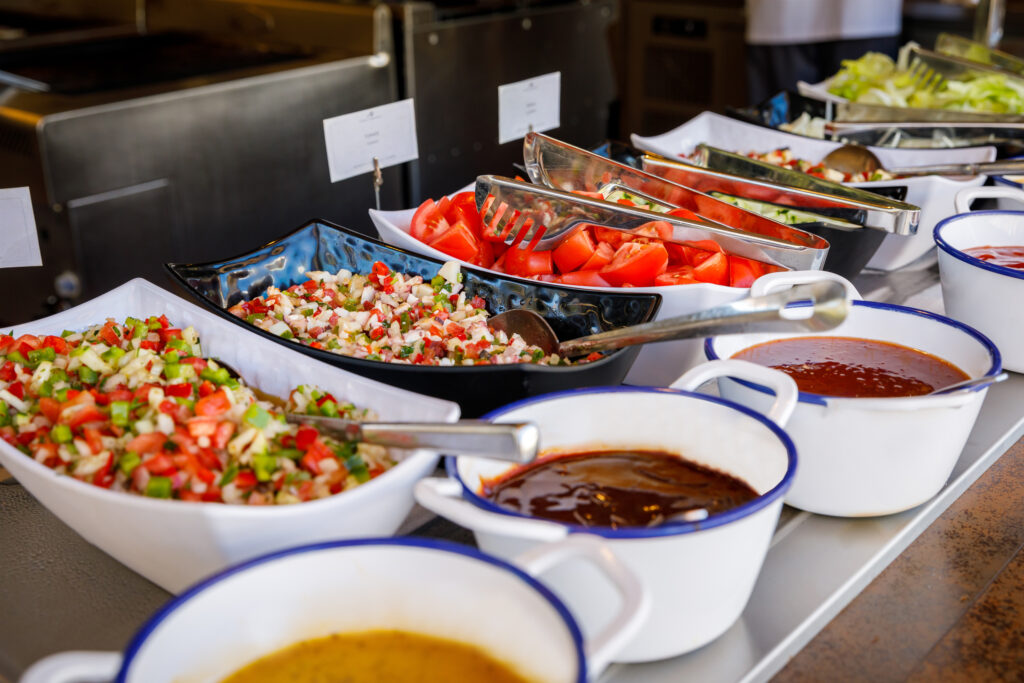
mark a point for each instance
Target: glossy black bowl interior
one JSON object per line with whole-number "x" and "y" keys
{"x": 319, "y": 245}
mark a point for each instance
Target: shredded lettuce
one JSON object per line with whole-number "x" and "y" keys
{"x": 877, "y": 79}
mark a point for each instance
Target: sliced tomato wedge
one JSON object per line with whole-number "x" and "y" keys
{"x": 614, "y": 238}
{"x": 659, "y": 229}
{"x": 429, "y": 220}
{"x": 458, "y": 241}
{"x": 463, "y": 209}
{"x": 636, "y": 264}
{"x": 574, "y": 251}
{"x": 714, "y": 270}
{"x": 743, "y": 271}
{"x": 678, "y": 275}
{"x": 584, "y": 278}
{"x": 601, "y": 257}
{"x": 526, "y": 263}
{"x": 684, "y": 213}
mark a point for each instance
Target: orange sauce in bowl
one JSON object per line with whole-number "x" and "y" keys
{"x": 1007, "y": 257}
{"x": 854, "y": 368}
{"x": 375, "y": 657}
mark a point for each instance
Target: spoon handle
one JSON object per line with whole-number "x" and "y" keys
{"x": 988, "y": 168}
{"x": 513, "y": 442}
{"x": 827, "y": 308}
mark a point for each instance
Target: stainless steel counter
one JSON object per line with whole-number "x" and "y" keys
{"x": 59, "y": 593}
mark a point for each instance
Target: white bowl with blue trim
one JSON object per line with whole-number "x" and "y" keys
{"x": 874, "y": 456}
{"x": 985, "y": 296}
{"x": 699, "y": 574}
{"x": 422, "y": 586}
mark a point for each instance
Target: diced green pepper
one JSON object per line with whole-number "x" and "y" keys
{"x": 119, "y": 413}
{"x": 437, "y": 282}
{"x": 58, "y": 375}
{"x": 46, "y": 388}
{"x": 287, "y": 334}
{"x": 256, "y": 416}
{"x": 5, "y": 417}
{"x": 229, "y": 475}
{"x": 264, "y": 465}
{"x": 61, "y": 433}
{"x": 112, "y": 355}
{"x": 159, "y": 487}
{"x": 37, "y": 356}
{"x": 218, "y": 376}
{"x": 173, "y": 370}
{"x": 17, "y": 357}
{"x": 171, "y": 357}
{"x": 87, "y": 375}
{"x": 329, "y": 408}
{"x": 351, "y": 304}
{"x": 290, "y": 453}
{"x": 179, "y": 345}
{"x": 128, "y": 462}
{"x": 405, "y": 352}
{"x": 62, "y": 395}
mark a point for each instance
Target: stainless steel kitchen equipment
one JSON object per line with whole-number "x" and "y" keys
{"x": 172, "y": 145}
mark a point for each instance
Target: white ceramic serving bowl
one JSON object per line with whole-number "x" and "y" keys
{"x": 656, "y": 364}
{"x": 175, "y": 543}
{"x": 862, "y": 456}
{"x": 419, "y": 585}
{"x": 985, "y": 296}
{"x": 933, "y": 194}
{"x": 699, "y": 575}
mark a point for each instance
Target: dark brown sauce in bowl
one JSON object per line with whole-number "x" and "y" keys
{"x": 854, "y": 368}
{"x": 615, "y": 489}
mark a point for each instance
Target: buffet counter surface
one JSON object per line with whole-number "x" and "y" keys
{"x": 60, "y": 593}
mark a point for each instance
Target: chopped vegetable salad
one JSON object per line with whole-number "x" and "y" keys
{"x": 783, "y": 157}
{"x": 390, "y": 317}
{"x": 134, "y": 407}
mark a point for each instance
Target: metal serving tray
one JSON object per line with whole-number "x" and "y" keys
{"x": 60, "y": 593}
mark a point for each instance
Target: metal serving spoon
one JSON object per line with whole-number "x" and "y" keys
{"x": 827, "y": 309}
{"x": 969, "y": 384}
{"x": 513, "y": 441}
{"x": 854, "y": 159}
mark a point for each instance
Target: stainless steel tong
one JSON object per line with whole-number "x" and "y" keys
{"x": 737, "y": 175}
{"x": 522, "y": 211}
{"x": 561, "y": 166}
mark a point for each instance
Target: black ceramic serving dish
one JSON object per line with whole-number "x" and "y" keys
{"x": 319, "y": 245}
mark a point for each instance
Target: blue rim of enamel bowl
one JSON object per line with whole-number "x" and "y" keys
{"x": 1004, "y": 180}
{"x": 432, "y": 544}
{"x": 967, "y": 258}
{"x": 822, "y": 400}
{"x": 669, "y": 529}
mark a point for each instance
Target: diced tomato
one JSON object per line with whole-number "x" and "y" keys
{"x": 714, "y": 270}
{"x": 574, "y": 251}
{"x": 208, "y": 457}
{"x": 196, "y": 362}
{"x": 103, "y": 476}
{"x": 58, "y": 344}
{"x": 457, "y": 240}
{"x": 17, "y": 390}
{"x": 149, "y": 345}
{"x": 50, "y": 408}
{"x": 169, "y": 333}
{"x": 160, "y": 465}
{"x": 601, "y": 257}
{"x": 120, "y": 395}
{"x": 202, "y": 426}
{"x": 147, "y": 443}
{"x": 6, "y": 342}
{"x": 94, "y": 439}
{"x": 213, "y": 405}
{"x": 225, "y": 430}
{"x": 183, "y": 390}
{"x": 310, "y": 285}
{"x": 636, "y": 264}
{"x": 82, "y": 415}
{"x": 584, "y": 278}
{"x": 305, "y": 437}
{"x": 429, "y": 220}
{"x": 109, "y": 336}
{"x": 7, "y": 372}
{"x": 678, "y": 275}
{"x": 26, "y": 343}
{"x": 206, "y": 388}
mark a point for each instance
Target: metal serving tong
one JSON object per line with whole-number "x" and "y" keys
{"x": 537, "y": 217}
{"x": 957, "y": 46}
{"x": 514, "y": 442}
{"x": 561, "y": 166}
{"x": 737, "y": 175}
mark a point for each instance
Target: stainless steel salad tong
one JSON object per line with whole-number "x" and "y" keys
{"x": 532, "y": 208}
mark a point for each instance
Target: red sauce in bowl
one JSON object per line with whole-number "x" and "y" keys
{"x": 615, "y": 488}
{"x": 1007, "y": 257}
{"x": 854, "y": 368}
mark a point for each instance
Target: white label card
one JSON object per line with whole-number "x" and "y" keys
{"x": 387, "y": 132}
{"x": 19, "y": 240}
{"x": 534, "y": 104}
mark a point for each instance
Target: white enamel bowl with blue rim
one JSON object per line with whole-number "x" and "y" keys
{"x": 983, "y": 295}
{"x": 874, "y": 456}
{"x": 174, "y": 543}
{"x": 699, "y": 575}
{"x": 423, "y": 586}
